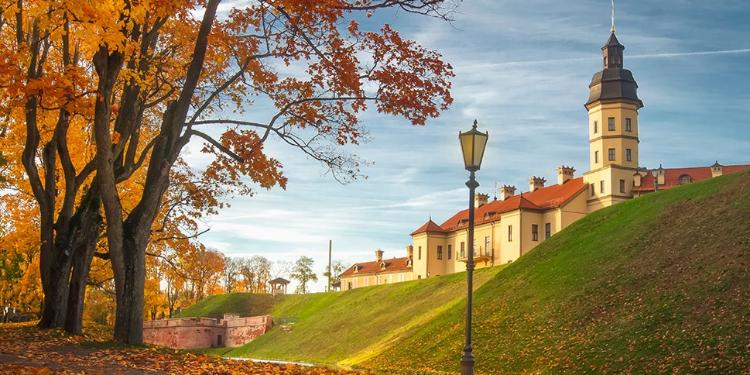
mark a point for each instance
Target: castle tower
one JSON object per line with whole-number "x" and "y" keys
{"x": 613, "y": 106}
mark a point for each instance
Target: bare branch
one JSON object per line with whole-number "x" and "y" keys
{"x": 216, "y": 144}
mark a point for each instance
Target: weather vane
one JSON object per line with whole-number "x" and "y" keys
{"x": 613, "y": 16}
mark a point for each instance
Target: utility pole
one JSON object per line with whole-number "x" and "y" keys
{"x": 330, "y": 247}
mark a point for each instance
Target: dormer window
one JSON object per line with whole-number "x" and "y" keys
{"x": 489, "y": 215}
{"x": 382, "y": 265}
{"x": 357, "y": 267}
{"x": 463, "y": 222}
{"x": 408, "y": 263}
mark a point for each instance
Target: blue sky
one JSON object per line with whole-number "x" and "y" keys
{"x": 522, "y": 69}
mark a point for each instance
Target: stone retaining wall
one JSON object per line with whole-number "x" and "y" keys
{"x": 194, "y": 333}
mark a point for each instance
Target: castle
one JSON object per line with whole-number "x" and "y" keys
{"x": 513, "y": 224}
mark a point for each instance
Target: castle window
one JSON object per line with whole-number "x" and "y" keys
{"x": 547, "y": 230}
{"x": 596, "y": 156}
{"x": 510, "y": 233}
{"x": 534, "y": 232}
{"x": 628, "y": 154}
{"x": 440, "y": 252}
{"x": 592, "y": 190}
{"x": 611, "y": 155}
{"x": 463, "y": 251}
{"x": 596, "y": 127}
{"x": 622, "y": 186}
{"x": 419, "y": 253}
{"x": 611, "y": 124}
{"x": 685, "y": 179}
{"x": 450, "y": 251}
{"x": 628, "y": 125}
{"x": 601, "y": 186}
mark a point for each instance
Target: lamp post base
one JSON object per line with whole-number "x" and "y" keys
{"x": 467, "y": 364}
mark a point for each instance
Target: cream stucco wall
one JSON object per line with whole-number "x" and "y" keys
{"x": 370, "y": 279}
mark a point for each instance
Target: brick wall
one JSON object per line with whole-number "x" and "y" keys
{"x": 193, "y": 333}
{"x": 240, "y": 331}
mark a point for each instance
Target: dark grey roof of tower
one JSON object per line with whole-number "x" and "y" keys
{"x": 612, "y": 42}
{"x": 615, "y": 83}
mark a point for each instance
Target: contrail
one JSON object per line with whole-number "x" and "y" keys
{"x": 597, "y": 57}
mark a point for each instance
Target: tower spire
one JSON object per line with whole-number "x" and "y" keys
{"x": 613, "y": 16}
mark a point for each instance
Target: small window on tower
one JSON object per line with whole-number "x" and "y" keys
{"x": 450, "y": 251}
{"x": 592, "y": 190}
{"x": 611, "y": 124}
{"x": 463, "y": 251}
{"x": 547, "y": 230}
{"x": 510, "y": 233}
{"x": 628, "y": 154}
{"x": 601, "y": 186}
{"x": 628, "y": 125}
{"x": 596, "y": 127}
{"x": 611, "y": 155}
{"x": 622, "y": 186}
{"x": 534, "y": 232}
{"x": 596, "y": 156}
{"x": 419, "y": 253}
{"x": 440, "y": 252}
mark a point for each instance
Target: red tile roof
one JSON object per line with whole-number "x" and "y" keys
{"x": 672, "y": 176}
{"x": 541, "y": 199}
{"x": 430, "y": 226}
{"x": 391, "y": 265}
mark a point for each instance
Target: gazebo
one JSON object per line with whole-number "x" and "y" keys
{"x": 278, "y": 286}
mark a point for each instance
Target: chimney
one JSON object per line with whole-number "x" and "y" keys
{"x": 480, "y": 199}
{"x": 564, "y": 173}
{"x": 717, "y": 169}
{"x": 506, "y": 191}
{"x": 660, "y": 175}
{"x": 379, "y": 255}
{"x": 536, "y": 183}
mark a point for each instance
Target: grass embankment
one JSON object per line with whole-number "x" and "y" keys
{"x": 357, "y": 324}
{"x": 243, "y": 304}
{"x": 656, "y": 284}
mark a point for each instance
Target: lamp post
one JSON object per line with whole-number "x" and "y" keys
{"x": 473, "y": 143}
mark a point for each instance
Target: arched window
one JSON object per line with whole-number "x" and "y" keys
{"x": 685, "y": 179}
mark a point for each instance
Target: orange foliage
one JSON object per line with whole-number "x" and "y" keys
{"x": 151, "y": 78}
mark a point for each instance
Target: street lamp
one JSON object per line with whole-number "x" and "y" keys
{"x": 472, "y": 147}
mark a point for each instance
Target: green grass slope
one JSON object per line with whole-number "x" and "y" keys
{"x": 243, "y": 304}
{"x": 357, "y": 324}
{"x": 659, "y": 284}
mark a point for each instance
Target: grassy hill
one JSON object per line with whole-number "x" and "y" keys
{"x": 656, "y": 284}
{"x": 243, "y": 304}
{"x": 328, "y": 327}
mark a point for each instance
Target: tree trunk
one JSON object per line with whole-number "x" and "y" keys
{"x": 130, "y": 299}
{"x": 87, "y": 222}
{"x": 77, "y": 292}
{"x": 54, "y": 270}
{"x": 55, "y": 288}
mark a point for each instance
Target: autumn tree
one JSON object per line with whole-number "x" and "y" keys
{"x": 231, "y": 274}
{"x": 163, "y": 78}
{"x": 337, "y": 267}
{"x": 260, "y": 268}
{"x": 303, "y": 273}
